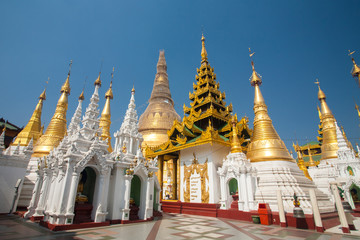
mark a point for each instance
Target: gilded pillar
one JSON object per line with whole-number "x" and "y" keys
{"x": 160, "y": 175}
{"x": 174, "y": 179}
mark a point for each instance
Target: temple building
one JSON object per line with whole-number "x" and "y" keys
{"x": 160, "y": 113}
{"x": 83, "y": 181}
{"x": 338, "y": 161}
{"x": 196, "y": 146}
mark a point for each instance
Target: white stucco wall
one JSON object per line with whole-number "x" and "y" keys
{"x": 11, "y": 169}
{"x": 215, "y": 154}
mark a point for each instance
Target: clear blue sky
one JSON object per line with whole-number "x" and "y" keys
{"x": 295, "y": 43}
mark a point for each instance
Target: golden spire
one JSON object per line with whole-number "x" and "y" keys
{"x": 203, "y": 50}
{"x": 105, "y": 119}
{"x": 160, "y": 114}
{"x": 32, "y": 129}
{"x": 355, "y": 72}
{"x": 56, "y": 130}
{"x": 329, "y": 145}
{"x": 266, "y": 144}
{"x": 311, "y": 160}
{"x": 235, "y": 143}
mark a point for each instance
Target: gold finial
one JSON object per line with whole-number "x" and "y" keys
{"x": 133, "y": 90}
{"x": 355, "y": 72}
{"x": 98, "y": 80}
{"x": 81, "y": 97}
{"x": 235, "y": 143}
{"x": 66, "y": 86}
{"x": 43, "y": 95}
{"x": 255, "y": 79}
{"x": 203, "y": 50}
{"x": 321, "y": 94}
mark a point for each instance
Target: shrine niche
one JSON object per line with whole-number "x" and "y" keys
{"x": 196, "y": 182}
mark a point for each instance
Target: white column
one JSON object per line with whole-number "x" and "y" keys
{"x": 103, "y": 191}
{"x": 126, "y": 210}
{"x": 49, "y": 200}
{"x": 72, "y": 196}
{"x": 240, "y": 193}
{"x": 222, "y": 192}
{"x": 316, "y": 212}
{"x": 244, "y": 192}
{"x": 39, "y": 211}
{"x": 35, "y": 195}
{"x": 131, "y": 145}
{"x": 250, "y": 190}
{"x": 149, "y": 199}
{"x": 340, "y": 209}
{"x": 281, "y": 209}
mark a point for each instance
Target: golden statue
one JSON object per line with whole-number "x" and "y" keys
{"x": 79, "y": 196}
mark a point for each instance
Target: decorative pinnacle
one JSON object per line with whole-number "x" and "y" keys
{"x": 98, "y": 81}
{"x": 66, "y": 86}
{"x": 81, "y": 97}
{"x": 133, "y": 90}
{"x": 321, "y": 94}
{"x": 70, "y": 67}
{"x": 203, "y": 50}
{"x": 109, "y": 93}
{"x": 255, "y": 79}
{"x": 355, "y": 72}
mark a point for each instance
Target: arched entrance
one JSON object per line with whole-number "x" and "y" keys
{"x": 135, "y": 198}
{"x": 85, "y": 196}
{"x": 355, "y": 194}
{"x": 233, "y": 191}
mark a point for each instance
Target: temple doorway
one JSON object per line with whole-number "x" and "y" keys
{"x": 85, "y": 196}
{"x": 233, "y": 191}
{"x": 135, "y": 198}
{"x": 355, "y": 194}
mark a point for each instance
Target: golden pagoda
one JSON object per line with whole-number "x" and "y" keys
{"x": 56, "y": 130}
{"x": 33, "y": 129}
{"x": 160, "y": 113}
{"x": 266, "y": 144}
{"x": 329, "y": 145}
{"x": 208, "y": 119}
{"x": 105, "y": 119}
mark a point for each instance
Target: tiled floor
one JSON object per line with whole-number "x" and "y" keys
{"x": 171, "y": 226}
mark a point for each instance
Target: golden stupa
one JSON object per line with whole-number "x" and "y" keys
{"x": 329, "y": 145}
{"x": 160, "y": 114}
{"x": 105, "y": 119}
{"x": 56, "y": 130}
{"x": 266, "y": 144}
{"x": 33, "y": 129}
